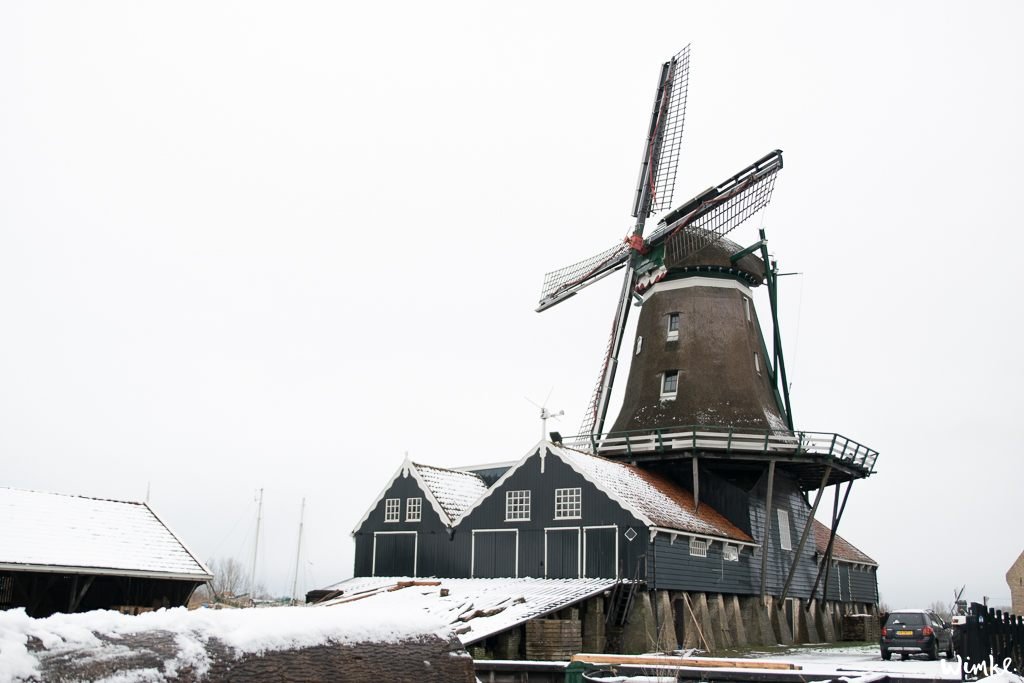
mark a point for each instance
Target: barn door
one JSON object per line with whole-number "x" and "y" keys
{"x": 495, "y": 554}
{"x": 562, "y": 553}
{"x": 394, "y": 553}
{"x": 600, "y": 552}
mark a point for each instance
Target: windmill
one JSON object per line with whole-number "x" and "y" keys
{"x": 699, "y": 223}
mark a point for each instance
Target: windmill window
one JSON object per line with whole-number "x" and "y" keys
{"x": 639, "y": 345}
{"x": 517, "y": 506}
{"x": 413, "y": 509}
{"x": 392, "y": 509}
{"x": 669, "y": 384}
{"x": 785, "y": 540}
{"x": 757, "y": 363}
{"x": 673, "y": 326}
{"x": 746, "y": 307}
{"x": 698, "y": 547}
{"x": 568, "y": 503}
{"x": 730, "y": 553}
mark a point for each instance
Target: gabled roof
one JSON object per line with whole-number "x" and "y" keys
{"x": 53, "y": 532}
{"x": 449, "y": 492}
{"x": 653, "y": 500}
{"x": 842, "y": 549}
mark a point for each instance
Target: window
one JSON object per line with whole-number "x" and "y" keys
{"x": 392, "y": 509}
{"x": 746, "y": 307}
{"x": 698, "y": 547}
{"x": 757, "y": 363}
{"x": 669, "y": 383}
{"x": 785, "y": 542}
{"x": 568, "y": 503}
{"x": 639, "y": 345}
{"x": 673, "y": 326}
{"x": 730, "y": 553}
{"x": 413, "y": 509}
{"x": 517, "y": 505}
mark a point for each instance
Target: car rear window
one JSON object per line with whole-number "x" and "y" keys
{"x": 906, "y": 619}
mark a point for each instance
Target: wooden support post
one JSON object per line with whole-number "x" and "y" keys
{"x": 696, "y": 485}
{"x": 837, "y": 514}
{"x": 77, "y": 599}
{"x": 807, "y": 532}
{"x": 766, "y": 540}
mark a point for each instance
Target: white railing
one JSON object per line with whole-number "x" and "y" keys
{"x": 827, "y": 444}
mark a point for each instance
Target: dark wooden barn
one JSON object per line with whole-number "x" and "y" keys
{"x": 63, "y": 553}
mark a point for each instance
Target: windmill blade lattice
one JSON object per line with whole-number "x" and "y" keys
{"x": 664, "y": 182}
{"x": 562, "y": 283}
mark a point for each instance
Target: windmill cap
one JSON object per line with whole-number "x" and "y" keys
{"x": 716, "y": 257}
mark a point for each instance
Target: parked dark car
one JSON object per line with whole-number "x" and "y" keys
{"x": 916, "y": 631}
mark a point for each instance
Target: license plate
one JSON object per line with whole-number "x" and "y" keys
{"x": 904, "y": 633}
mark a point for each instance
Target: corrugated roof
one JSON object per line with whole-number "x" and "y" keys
{"x": 44, "y": 531}
{"x": 657, "y": 500}
{"x": 454, "y": 491}
{"x": 841, "y": 549}
{"x": 505, "y": 602}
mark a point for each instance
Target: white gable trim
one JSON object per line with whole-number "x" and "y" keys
{"x": 407, "y": 468}
{"x": 202, "y": 565}
{"x": 496, "y": 485}
{"x": 555, "y": 450}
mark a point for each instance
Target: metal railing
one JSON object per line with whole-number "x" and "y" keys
{"x": 728, "y": 440}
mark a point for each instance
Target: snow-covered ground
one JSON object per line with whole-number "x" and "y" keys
{"x": 859, "y": 660}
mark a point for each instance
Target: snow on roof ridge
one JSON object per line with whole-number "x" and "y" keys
{"x": 464, "y": 473}
{"x": 73, "y": 495}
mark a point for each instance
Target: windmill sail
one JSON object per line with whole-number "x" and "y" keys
{"x": 663, "y": 181}
{"x": 561, "y": 284}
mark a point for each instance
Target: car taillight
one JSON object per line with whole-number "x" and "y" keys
{"x": 927, "y": 631}
{"x": 884, "y": 634}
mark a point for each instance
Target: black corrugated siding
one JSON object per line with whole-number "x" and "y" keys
{"x": 787, "y": 496}
{"x": 673, "y": 568}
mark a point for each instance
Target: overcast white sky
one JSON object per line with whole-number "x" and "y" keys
{"x": 277, "y": 245}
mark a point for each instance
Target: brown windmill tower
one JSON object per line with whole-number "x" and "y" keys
{"x": 705, "y": 392}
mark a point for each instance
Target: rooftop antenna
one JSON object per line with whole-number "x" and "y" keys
{"x": 546, "y": 414}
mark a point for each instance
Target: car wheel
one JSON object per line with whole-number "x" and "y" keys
{"x": 886, "y": 655}
{"x": 933, "y": 651}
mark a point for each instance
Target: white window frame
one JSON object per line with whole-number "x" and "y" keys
{"x": 517, "y": 505}
{"x": 392, "y": 510}
{"x": 665, "y": 394}
{"x": 731, "y": 553}
{"x": 569, "y": 503}
{"x": 785, "y": 532}
{"x": 413, "y": 509}
{"x": 698, "y": 547}
{"x": 672, "y": 334}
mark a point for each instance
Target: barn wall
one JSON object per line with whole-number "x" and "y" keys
{"x": 673, "y": 568}
{"x": 786, "y": 495}
{"x": 597, "y": 510}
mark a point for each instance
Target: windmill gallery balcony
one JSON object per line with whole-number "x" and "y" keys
{"x": 808, "y": 451}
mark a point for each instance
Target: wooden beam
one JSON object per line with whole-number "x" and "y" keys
{"x": 807, "y": 532}
{"x": 696, "y": 484}
{"x": 701, "y": 662}
{"x": 77, "y": 599}
{"x": 827, "y": 560}
{"x": 766, "y": 540}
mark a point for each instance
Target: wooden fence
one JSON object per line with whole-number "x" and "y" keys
{"x": 991, "y": 640}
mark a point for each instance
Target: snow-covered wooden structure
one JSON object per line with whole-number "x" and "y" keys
{"x": 66, "y": 553}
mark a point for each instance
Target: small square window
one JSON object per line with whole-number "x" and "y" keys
{"x": 669, "y": 383}
{"x": 730, "y": 553}
{"x": 673, "y": 326}
{"x": 392, "y": 509}
{"x": 785, "y": 540}
{"x": 568, "y": 503}
{"x": 517, "y": 506}
{"x": 413, "y": 509}
{"x": 698, "y": 547}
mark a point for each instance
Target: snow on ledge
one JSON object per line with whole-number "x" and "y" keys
{"x": 244, "y": 631}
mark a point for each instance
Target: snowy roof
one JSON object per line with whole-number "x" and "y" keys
{"x": 75, "y": 534}
{"x": 842, "y": 549}
{"x": 654, "y": 500}
{"x": 449, "y": 492}
{"x": 454, "y": 490}
{"x": 475, "y": 608}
